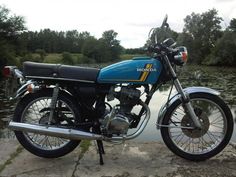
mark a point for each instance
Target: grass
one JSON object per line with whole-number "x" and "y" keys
{"x": 84, "y": 145}
{"x": 53, "y": 58}
{"x": 77, "y": 57}
{"x": 129, "y": 56}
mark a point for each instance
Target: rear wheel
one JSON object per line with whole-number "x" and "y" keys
{"x": 198, "y": 144}
{"x": 35, "y": 109}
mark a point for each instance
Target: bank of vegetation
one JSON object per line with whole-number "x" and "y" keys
{"x": 207, "y": 42}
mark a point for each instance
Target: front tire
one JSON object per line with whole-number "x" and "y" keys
{"x": 197, "y": 145}
{"x": 34, "y": 108}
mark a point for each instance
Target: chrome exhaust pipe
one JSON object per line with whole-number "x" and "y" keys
{"x": 72, "y": 134}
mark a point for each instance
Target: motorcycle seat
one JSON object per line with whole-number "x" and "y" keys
{"x": 60, "y": 72}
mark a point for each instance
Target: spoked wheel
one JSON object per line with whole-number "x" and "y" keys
{"x": 198, "y": 144}
{"x": 35, "y": 109}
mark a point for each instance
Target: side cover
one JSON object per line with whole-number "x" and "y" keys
{"x": 143, "y": 70}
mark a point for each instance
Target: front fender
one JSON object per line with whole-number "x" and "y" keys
{"x": 188, "y": 91}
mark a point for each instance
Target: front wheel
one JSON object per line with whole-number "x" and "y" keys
{"x": 198, "y": 144}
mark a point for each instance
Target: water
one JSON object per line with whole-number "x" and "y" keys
{"x": 221, "y": 79}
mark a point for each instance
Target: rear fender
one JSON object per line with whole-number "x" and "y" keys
{"x": 23, "y": 89}
{"x": 177, "y": 96}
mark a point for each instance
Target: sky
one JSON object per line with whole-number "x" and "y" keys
{"x": 131, "y": 19}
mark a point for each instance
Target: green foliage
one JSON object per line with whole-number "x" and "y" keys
{"x": 53, "y": 58}
{"x": 200, "y": 33}
{"x": 160, "y": 34}
{"x": 224, "y": 52}
{"x": 67, "y": 58}
{"x": 30, "y": 57}
{"x": 102, "y": 50}
{"x": 113, "y": 45}
{"x": 54, "y": 42}
{"x": 85, "y": 60}
{"x": 10, "y": 27}
{"x": 205, "y": 41}
{"x": 232, "y": 25}
{"x": 130, "y": 56}
{"x": 42, "y": 54}
{"x": 140, "y": 50}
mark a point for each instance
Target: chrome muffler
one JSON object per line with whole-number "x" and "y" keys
{"x": 72, "y": 134}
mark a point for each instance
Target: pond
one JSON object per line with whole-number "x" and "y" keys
{"x": 219, "y": 78}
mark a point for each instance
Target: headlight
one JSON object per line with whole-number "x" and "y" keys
{"x": 182, "y": 57}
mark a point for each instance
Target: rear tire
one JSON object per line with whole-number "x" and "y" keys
{"x": 28, "y": 142}
{"x": 202, "y": 153}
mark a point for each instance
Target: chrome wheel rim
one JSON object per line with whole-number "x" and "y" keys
{"x": 33, "y": 114}
{"x": 202, "y": 141}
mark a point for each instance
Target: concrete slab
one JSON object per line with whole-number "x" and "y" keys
{"x": 28, "y": 165}
{"x": 7, "y": 147}
{"x": 151, "y": 159}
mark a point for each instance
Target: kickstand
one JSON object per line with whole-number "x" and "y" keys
{"x": 100, "y": 151}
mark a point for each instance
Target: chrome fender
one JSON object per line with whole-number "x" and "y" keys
{"x": 188, "y": 91}
{"x": 22, "y": 89}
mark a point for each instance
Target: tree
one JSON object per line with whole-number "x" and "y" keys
{"x": 109, "y": 39}
{"x": 90, "y": 49}
{"x": 97, "y": 50}
{"x": 203, "y": 30}
{"x": 10, "y": 25}
{"x": 41, "y": 53}
{"x": 232, "y": 25}
{"x": 159, "y": 35}
{"x": 224, "y": 52}
{"x": 10, "y": 28}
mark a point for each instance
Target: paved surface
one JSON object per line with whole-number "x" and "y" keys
{"x": 150, "y": 159}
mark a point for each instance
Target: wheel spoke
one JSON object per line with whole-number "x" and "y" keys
{"x": 32, "y": 114}
{"x": 198, "y": 141}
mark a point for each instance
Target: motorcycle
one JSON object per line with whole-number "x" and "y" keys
{"x": 60, "y": 105}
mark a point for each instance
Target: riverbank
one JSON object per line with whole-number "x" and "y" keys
{"x": 151, "y": 159}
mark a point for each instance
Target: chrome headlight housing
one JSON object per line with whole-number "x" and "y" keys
{"x": 182, "y": 56}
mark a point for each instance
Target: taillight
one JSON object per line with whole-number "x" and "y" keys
{"x": 8, "y": 71}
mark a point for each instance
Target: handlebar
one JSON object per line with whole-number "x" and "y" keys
{"x": 162, "y": 49}
{"x": 166, "y": 48}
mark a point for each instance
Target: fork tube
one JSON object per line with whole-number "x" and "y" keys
{"x": 185, "y": 98}
{"x": 53, "y": 102}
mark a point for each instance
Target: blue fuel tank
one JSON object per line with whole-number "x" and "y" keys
{"x": 141, "y": 70}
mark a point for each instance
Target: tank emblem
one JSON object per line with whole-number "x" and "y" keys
{"x": 145, "y": 72}
{"x": 143, "y": 76}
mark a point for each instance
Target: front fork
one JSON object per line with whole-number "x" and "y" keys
{"x": 185, "y": 98}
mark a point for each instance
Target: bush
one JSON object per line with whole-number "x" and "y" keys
{"x": 42, "y": 54}
{"x": 67, "y": 58}
{"x": 224, "y": 52}
{"x": 85, "y": 60}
